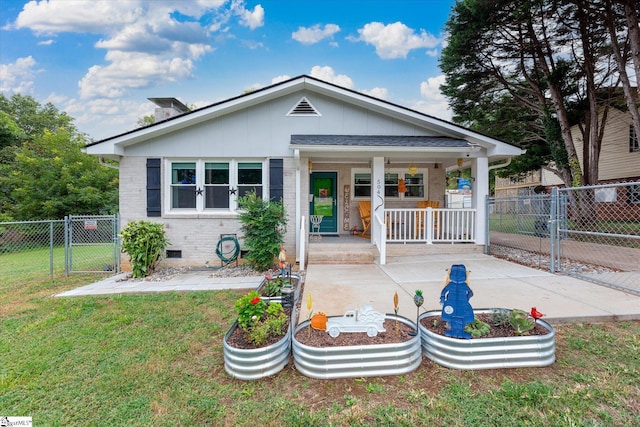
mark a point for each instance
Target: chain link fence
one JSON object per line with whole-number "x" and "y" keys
{"x": 43, "y": 250}
{"x": 592, "y": 233}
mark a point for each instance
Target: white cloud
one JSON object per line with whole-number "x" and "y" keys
{"x": 314, "y": 34}
{"x": 395, "y": 40}
{"x": 434, "y": 103}
{"x": 99, "y": 117}
{"x": 17, "y": 77}
{"x": 327, "y": 74}
{"x": 147, "y": 42}
{"x": 279, "y": 79}
{"x": 46, "y": 42}
{"x": 252, "y": 19}
{"x": 378, "y": 92}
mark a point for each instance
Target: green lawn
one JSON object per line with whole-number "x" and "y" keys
{"x": 149, "y": 360}
{"x": 35, "y": 264}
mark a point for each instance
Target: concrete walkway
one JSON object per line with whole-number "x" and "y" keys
{"x": 190, "y": 281}
{"x": 495, "y": 283}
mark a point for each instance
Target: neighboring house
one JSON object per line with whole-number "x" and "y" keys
{"x": 619, "y": 162}
{"x": 319, "y": 147}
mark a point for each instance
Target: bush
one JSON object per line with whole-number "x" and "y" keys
{"x": 263, "y": 224}
{"x": 260, "y": 320}
{"x": 145, "y": 243}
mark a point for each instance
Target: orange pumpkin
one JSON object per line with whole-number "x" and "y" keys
{"x": 319, "y": 321}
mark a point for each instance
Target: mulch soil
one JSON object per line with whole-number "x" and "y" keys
{"x": 318, "y": 338}
{"x": 436, "y": 325}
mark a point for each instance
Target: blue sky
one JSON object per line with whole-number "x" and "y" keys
{"x": 99, "y": 60}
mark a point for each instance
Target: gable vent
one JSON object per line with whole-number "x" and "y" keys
{"x": 303, "y": 108}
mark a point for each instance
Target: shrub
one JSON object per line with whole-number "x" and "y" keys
{"x": 263, "y": 225}
{"x": 250, "y": 309}
{"x": 260, "y": 320}
{"x": 144, "y": 242}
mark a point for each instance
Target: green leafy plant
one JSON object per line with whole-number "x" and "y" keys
{"x": 263, "y": 224}
{"x": 500, "y": 317}
{"x": 260, "y": 320}
{"x": 520, "y": 322}
{"x": 144, "y": 242}
{"x": 477, "y": 328}
{"x": 273, "y": 286}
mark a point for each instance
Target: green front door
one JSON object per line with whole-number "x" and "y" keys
{"x": 325, "y": 200}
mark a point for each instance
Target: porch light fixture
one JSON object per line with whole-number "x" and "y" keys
{"x": 310, "y": 164}
{"x": 460, "y": 162}
{"x": 413, "y": 169}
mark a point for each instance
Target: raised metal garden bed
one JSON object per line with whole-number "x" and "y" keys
{"x": 251, "y": 364}
{"x": 358, "y": 361}
{"x": 488, "y": 353}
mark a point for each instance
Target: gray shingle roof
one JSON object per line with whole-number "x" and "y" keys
{"x": 379, "y": 141}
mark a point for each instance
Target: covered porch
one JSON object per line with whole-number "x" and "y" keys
{"x": 389, "y": 191}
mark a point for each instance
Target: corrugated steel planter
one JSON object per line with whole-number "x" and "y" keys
{"x": 358, "y": 361}
{"x": 251, "y": 364}
{"x": 488, "y": 353}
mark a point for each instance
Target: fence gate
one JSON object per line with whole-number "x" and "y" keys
{"x": 92, "y": 244}
{"x": 600, "y": 241}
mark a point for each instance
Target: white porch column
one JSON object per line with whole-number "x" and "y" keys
{"x": 298, "y": 206}
{"x": 377, "y": 194}
{"x": 480, "y": 191}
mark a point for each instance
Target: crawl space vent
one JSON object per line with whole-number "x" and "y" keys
{"x": 303, "y": 108}
{"x": 174, "y": 254}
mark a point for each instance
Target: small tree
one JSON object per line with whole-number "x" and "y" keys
{"x": 263, "y": 225}
{"x": 144, "y": 242}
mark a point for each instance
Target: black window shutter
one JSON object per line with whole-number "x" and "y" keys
{"x": 276, "y": 179}
{"x": 153, "y": 188}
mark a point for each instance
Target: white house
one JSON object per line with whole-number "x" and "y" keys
{"x": 322, "y": 149}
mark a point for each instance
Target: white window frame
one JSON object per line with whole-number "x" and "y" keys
{"x": 401, "y": 172}
{"x": 200, "y": 177}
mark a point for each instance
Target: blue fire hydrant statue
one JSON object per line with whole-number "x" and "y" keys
{"x": 456, "y": 310}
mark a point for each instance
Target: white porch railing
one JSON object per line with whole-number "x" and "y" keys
{"x": 430, "y": 225}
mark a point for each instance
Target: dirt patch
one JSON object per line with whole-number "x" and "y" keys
{"x": 317, "y": 338}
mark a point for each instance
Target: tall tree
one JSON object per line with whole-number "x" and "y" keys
{"x": 548, "y": 56}
{"x": 43, "y": 172}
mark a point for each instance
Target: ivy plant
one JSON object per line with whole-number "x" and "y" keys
{"x": 263, "y": 224}
{"x": 144, "y": 242}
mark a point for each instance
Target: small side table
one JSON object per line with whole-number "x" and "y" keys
{"x": 316, "y": 220}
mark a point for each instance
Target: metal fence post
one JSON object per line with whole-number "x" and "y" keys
{"x": 66, "y": 245}
{"x": 553, "y": 228}
{"x": 51, "y": 250}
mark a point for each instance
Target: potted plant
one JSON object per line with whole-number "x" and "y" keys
{"x": 259, "y": 342}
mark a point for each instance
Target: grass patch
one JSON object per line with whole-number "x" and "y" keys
{"x": 156, "y": 359}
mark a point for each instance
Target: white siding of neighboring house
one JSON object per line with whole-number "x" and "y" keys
{"x": 616, "y": 162}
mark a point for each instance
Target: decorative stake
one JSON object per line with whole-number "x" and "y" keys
{"x": 395, "y": 309}
{"x": 418, "y": 300}
{"x": 309, "y": 305}
{"x": 456, "y": 310}
{"x": 535, "y": 314}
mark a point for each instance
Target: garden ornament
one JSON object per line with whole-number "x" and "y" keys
{"x": 282, "y": 258}
{"x": 456, "y": 310}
